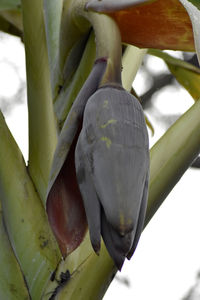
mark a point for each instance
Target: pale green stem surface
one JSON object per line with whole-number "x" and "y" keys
{"x": 42, "y": 128}
{"x": 25, "y": 217}
{"x": 108, "y": 44}
{"x": 12, "y": 282}
{"x": 131, "y": 61}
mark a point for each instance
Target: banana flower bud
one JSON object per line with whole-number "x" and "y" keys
{"x": 112, "y": 167}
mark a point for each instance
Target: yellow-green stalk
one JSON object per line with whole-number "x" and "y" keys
{"x": 131, "y": 61}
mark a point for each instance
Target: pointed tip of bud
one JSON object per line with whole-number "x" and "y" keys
{"x": 119, "y": 262}
{"x": 96, "y": 246}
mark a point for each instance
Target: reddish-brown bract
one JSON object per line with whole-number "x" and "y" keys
{"x": 163, "y": 24}
{"x": 65, "y": 208}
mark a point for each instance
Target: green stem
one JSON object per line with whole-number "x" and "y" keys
{"x": 42, "y": 128}
{"x": 108, "y": 44}
{"x": 131, "y": 61}
{"x": 108, "y": 40}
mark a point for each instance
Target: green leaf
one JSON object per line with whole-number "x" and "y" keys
{"x": 186, "y": 74}
{"x": 192, "y": 8}
{"x": 10, "y": 4}
{"x": 188, "y": 79}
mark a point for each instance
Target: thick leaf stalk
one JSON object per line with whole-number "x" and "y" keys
{"x": 42, "y": 127}
{"x": 25, "y": 219}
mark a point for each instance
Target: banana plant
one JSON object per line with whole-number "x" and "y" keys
{"x": 91, "y": 183}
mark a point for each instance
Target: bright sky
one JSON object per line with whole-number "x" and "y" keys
{"x": 167, "y": 258}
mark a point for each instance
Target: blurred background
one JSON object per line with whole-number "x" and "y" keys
{"x": 166, "y": 264}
